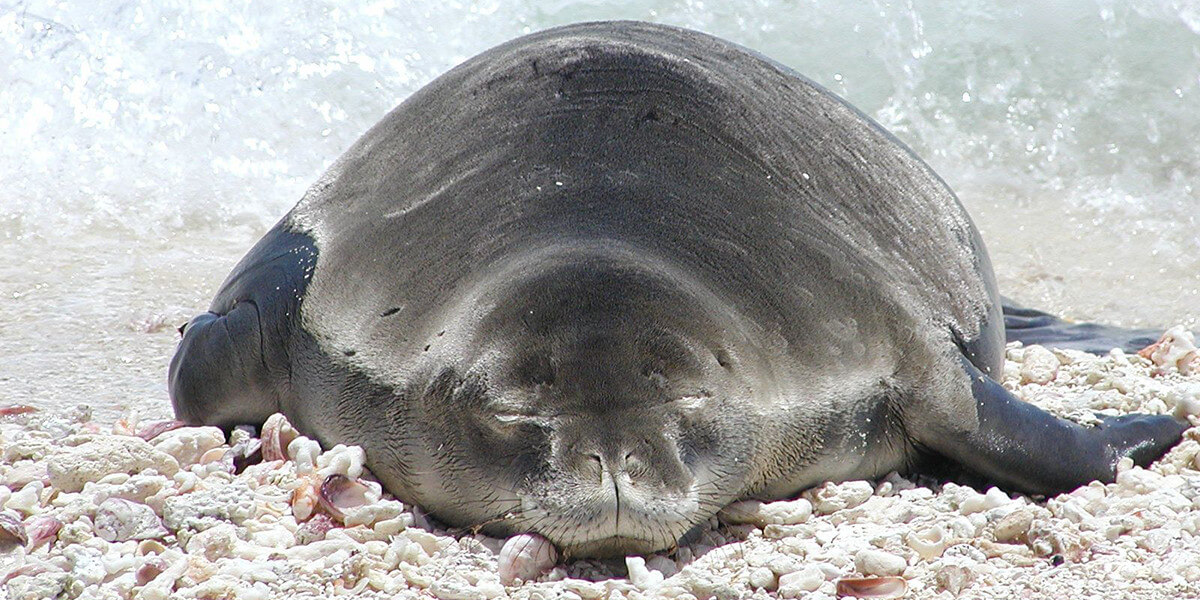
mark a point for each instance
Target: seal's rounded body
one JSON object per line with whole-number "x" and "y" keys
{"x": 602, "y": 280}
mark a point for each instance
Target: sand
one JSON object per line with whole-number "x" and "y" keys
{"x": 104, "y": 513}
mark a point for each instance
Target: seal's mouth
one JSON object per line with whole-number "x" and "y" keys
{"x": 613, "y": 547}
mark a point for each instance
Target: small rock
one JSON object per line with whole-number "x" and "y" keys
{"x": 189, "y": 444}
{"x": 28, "y": 499}
{"x": 796, "y": 584}
{"x": 1040, "y": 366}
{"x": 71, "y": 467}
{"x": 639, "y": 575}
{"x": 214, "y": 543}
{"x": 763, "y": 578}
{"x": 954, "y": 577}
{"x": 1014, "y": 527}
{"x": 314, "y": 529}
{"x": 871, "y": 561}
{"x": 42, "y": 530}
{"x": 831, "y": 497}
{"x": 201, "y": 509}
{"x": 342, "y": 460}
{"x": 118, "y": 520}
{"x": 995, "y": 497}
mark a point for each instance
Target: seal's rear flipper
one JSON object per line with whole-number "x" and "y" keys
{"x": 1030, "y": 326}
{"x": 1022, "y": 447}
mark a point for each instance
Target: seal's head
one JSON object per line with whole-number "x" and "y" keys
{"x": 605, "y": 405}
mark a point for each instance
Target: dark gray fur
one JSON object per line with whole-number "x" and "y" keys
{"x": 602, "y": 280}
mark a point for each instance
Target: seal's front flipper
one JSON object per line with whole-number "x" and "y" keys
{"x": 1022, "y": 447}
{"x": 232, "y": 364}
{"x": 1030, "y": 326}
{"x": 218, "y": 376}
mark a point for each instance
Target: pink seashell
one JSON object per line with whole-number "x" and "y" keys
{"x": 153, "y": 567}
{"x": 42, "y": 530}
{"x": 16, "y": 409}
{"x": 277, "y": 433}
{"x": 314, "y": 529}
{"x": 26, "y": 569}
{"x": 12, "y": 530}
{"x": 872, "y": 587}
{"x": 124, "y": 426}
{"x": 525, "y": 556}
{"x": 157, "y": 428}
{"x": 339, "y": 492}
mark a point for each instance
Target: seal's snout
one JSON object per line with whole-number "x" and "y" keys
{"x": 626, "y": 466}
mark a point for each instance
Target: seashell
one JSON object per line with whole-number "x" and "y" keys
{"x": 212, "y": 455}
{"x": 157, "y": 428}
{"x": 305, "y": 498}
{"x": 314, "y": 529}
{"x": 23, "y": 570}
{"x": 150, "y": 547}
{"x": 11, "y": 529}
{"x": 872, "y": 587}
{"x": 524, "y": 557}
{"x": 125, "y": 426}
{"x": 16, "y": 409}
{"x": 929, "y": 543}
{"x": 340, "y": 492}
{"x": 41, "y": 530}
{"x": 277, "y": 433}
{"x": 153, "y": 567}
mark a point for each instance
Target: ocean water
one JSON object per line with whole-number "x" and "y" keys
{"x": 144, "y": 146}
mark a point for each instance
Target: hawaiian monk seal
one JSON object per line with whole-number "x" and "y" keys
{"x": 602, "y": 280}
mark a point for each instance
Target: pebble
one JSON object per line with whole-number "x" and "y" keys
{"x": 1013, "y": 527}
{"x": 871, "y": 561}
{"x": 832, "y": 497}
{"x": 993, "y": 498}
{"x": 118, "y": 520}
{"x": 70, "y": 468}
{"x": 188, "y": 445}
{"x": 1040, "y": 366}
{"x": 641, "y": 576}
{"x": 27, "y": 500}
{"x": 799, "y": 583}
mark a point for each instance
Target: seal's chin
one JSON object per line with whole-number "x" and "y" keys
{"x": 614, "y": 547}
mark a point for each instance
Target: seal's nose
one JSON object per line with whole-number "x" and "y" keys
{"x": 647, "y": 462}
{"x": 620, "y": 461}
